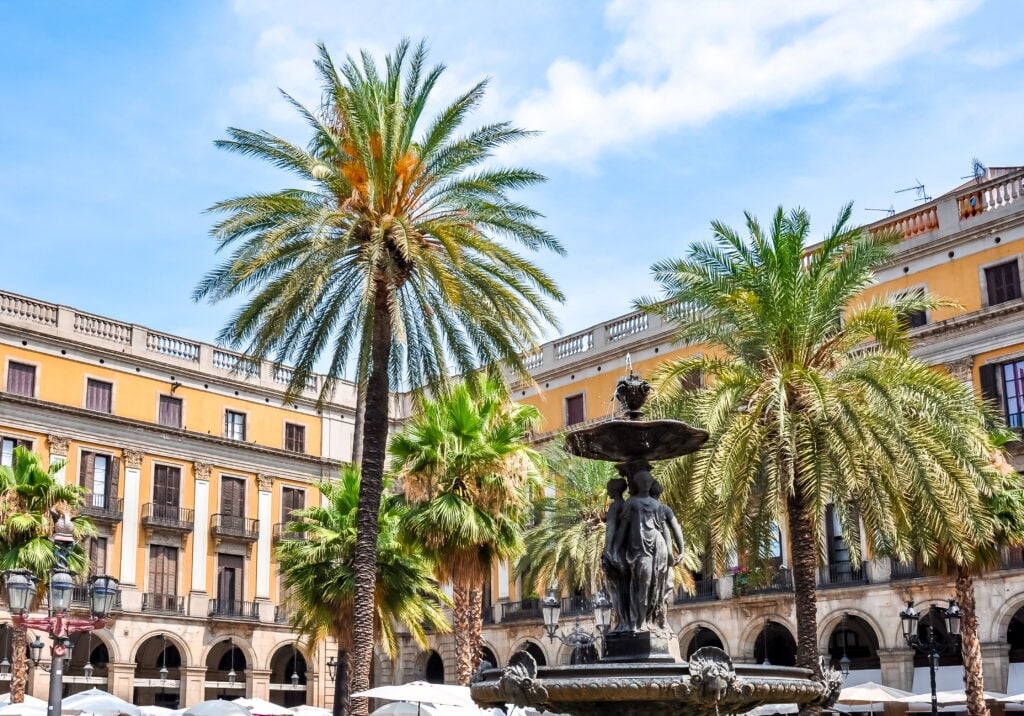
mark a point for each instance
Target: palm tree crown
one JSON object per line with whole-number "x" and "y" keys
{"x": 812, "y": 400}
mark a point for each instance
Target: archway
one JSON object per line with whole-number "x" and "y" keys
{"x": 775, "y": 645}
{"x": 949, "y": 674}
{"x": 703, "y": 637}
{"x": 158, "y": 679}
{"x": 226, "y": 665}
{"x": 288, "y": 677}
{"x": 86, "y": 648}
{"x": 1015, "y": 637}
{"x": 6, "y": 634}
{"x": 533, "y": 650}
{"x": 487, "y": 654}
{"x": 855, "y": 638}
{"x": 434, "y": 670}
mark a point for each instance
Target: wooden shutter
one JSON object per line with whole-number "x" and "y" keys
{"x": 98, "y": 555}
{"x": 232, "y": 496}
{"x": 574, "y": 410}
{"x": 21, "y": 379}
{"x": 87, "y": 470}
{"x": 292, "y": 499}
{"x": 169, "y": 411}
{"x": 98, "y": 395}
{"x": 163, "y": 570}
{"x": 990, "y": 384}
{"x": 113, "y": 478}
{"x": 229, "y": 577}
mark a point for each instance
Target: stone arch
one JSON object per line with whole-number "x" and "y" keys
{"x": 834, "y": 620}
{"x": 434, "y": 668}
{"x": 1005, "y": 617}
{"x": 285, "y": 661}
{"x": 179, "y": 644}
{"x": 534, "y": 649}
{"x": 774, "y": 642}
{"x": 752, "y": 633}
{"x": 489, "y": 653}
{"x": 240, "y": 641}
{"x": 857, "y": 639}
{"x": 700, "y": 634}
{"x": 156, "y": 652}
{"x": 287, "y": 643}
{"x": 224, "y": 655}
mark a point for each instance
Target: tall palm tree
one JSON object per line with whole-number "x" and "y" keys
{"x": 470, "y": 479}
{"x": 30, "y": 496}
{"x": 566, "y": 544}
{"x": 319, "y": 576}
{"x": 396, "y": 256}
{"x": 812, "y": 400}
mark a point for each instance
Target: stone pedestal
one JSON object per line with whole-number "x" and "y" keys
{"x": 635, "y": 647}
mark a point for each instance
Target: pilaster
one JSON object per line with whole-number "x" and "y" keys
{"x": 59, "y": 453}
{"x": 200, "y": 535}
{"x": 121, "y": 680}
{"x": 257, "y": 684}
{"x": 130, "y": 525}
{"x": 995, "y": 659}
{"x": 265, "y": 483}
{"x": 195, "y": 684}
{"x": 897, "y": 668}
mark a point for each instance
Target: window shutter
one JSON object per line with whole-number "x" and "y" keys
{"x": 88, "y": 470}
{"x": 990, "y": 385}
{"x": 113, "y": 477}
{"x": 21, "y": 379}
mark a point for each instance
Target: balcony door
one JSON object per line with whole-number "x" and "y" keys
{"x": 292, "y": 499}
{"x": 232, "y": 502}
{"x": 166, "y": 492}
{"x": 163, "y": 577}
{"x": 229, "y": 583}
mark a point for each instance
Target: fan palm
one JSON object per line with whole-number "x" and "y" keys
{"x": 812, "y": 400}
{"x": 319, "y": 577}
{"x": 470, "y": 480}
{"x": 397, "y": 255}
{"x": 30, "y": 497}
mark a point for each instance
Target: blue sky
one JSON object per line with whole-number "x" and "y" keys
{"x": 658, "y": 117}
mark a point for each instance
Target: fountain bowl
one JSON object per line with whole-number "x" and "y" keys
{"x": 627, "y": 441}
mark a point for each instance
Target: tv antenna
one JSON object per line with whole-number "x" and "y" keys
{"x": 889, "y": 212}
{"x": 978, "y": 171}
{"x": 918, "y": 189}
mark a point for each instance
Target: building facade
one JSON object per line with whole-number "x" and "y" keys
{"x": 193, "y": 462}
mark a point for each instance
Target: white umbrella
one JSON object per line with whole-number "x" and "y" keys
{"x": 98, "y": 701}
{"x": 25, "y": 709}
{"x": 871, "y": 693}
{"x": 30, "y": 700}
{"x": 305, "y": 710}
{"x": 157, "y": 711}
{"x": 423, "y": 692}
{"x": 948, "y": 698}
{"x": 407, "y": 708}
{"x": 1014, "y": 699}
{"x": 262, "y": 707}
{"x": 216, "y": 707}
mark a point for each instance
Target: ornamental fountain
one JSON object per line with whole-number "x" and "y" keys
{"x": 640, "y": 672}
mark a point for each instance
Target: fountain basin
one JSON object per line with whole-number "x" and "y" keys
{"x": 627, "y": 441}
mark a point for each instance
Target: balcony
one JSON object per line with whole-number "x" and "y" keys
{"x": 487, "y": 613}
{"x": 577, "y": 605}
{"x": 233, "y": 527}
{"x": 281, "y": 532}
{"x": 282, "y": 614}
{"x": 840, "y": 574}
{"x": 521, "y": 611}
{"x": 167, "y": 517}
{"x": 103, "y": 508}
{"x": 234, "y": 609}
{"x": 162, "y": 603}
{"x": 776, "y": 580}
{"x": 906, "y": 570}
{"x": 705, "y": 590}
{"x": 80, "y": 597}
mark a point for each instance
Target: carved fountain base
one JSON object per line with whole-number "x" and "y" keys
{"x": 709, "y": 683}
{"x": 640, "y": 647}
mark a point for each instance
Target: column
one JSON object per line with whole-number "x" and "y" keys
{"x": 200, "y": 539}
{"x": 121, "y": 680}
{"x": 194, "y": 678}
{"x": 130, "y": 523}
{"x": 263, "y": 544}
{"x": 59, "y": 453}
{"x": 995, "y": 659}
{"x": 897, "y": 668}
{"x": 257, "y": 684}
{"x": 503, "y": 580}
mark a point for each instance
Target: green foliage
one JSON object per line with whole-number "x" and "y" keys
{"x": 320, "y": 580}
{"x": 393, "y": 206}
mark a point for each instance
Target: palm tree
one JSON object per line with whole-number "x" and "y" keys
{"x": 319, "y": 576}
{"x": 30, "y": 497}
{"x": 395, "y": 257}
{"x": 470, "y": 480}
{"x": 812, "y": 400}
{"x": 566, "y": 544}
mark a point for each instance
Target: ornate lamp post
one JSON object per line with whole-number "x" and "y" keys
{"x": 579, "y": 639}
{"x": 931, "y": 646}
{"x": 844, "y": 662}
{"x": 336, "y": 669}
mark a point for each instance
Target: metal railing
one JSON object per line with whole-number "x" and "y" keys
{"x": 243, "y": 528}
{"x": 571, "y": 606}
{"x": 704, "y": 590}
{"x": 1011, "y": 558}
{"x": 778, "y": 580}
{"x": 167, "y": 516}
{"x": 163, "y": 603}
{"x": 282, "y": 614}
{"x": 80, "y": 596}
{"x": 487, "y": 613}
{"x": 520, "y": 611}
{"x": 906, "y": 570}
{"x": 281, "y": 531}
{"x": 840, "y": 574}
{"x": 103, "y": 507}
{"x": 234, "y": 609}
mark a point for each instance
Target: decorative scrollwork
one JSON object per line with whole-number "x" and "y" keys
{"x": 712, "y": 674}
{"x": 518, "y": 682}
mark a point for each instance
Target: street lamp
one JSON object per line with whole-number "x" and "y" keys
{"x": 231, "y": 674}
{"x": 578, "y": 638}
{"x": 336, "y": 671}
{"x": 295, "y": 662}
{"x": 21, "y": 584}
{"x": 931, "y": 645}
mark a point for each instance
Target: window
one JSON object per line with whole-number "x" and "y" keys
{"x": 229, "y": 580}
{"x": 294, "y": 437}
{"x": 234, "y": 425}
{"x": 7, "y": 446}
{"x": 163, "y": 569}
{"x": 98, "y": 474}
{"x": 98, "y": 395}
{"x": 1013, "y": 392}
{"x": 1002, "y": 282}
{"x": 169, "y": 412}
{"x": 21, "y": 379}
{"x": 166, "y": 492}
{"x": 838, "y": 550}
{"x": 693, "y": 380}
{"x": 574, "y": 410}
{"x": 292, "y": 499}
{"x": 232, "y": 502}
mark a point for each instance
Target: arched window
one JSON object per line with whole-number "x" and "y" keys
{"x": 935, "y": 618}
{"x": 701, "y": 638}
{"x": 286, "y": 661}
{"x": 775, "y": 645}
{"x": 858, "y": 641}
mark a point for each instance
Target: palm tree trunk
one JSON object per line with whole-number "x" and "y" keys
{"x": 359, "y": 419}
{"x": 461, "y": 609}
{"x": 476, "y": 625}
{"x": 375, "y": 435}
{"x": 804, "y": 547}
{"x": 974, "y": 676}
{"x": 19, "y": 664}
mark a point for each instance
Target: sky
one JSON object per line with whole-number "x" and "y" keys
{"x": 654, "y": 118}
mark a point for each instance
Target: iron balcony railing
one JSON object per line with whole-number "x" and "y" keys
{"x": 80, "y": 596}
{"x": 705, "y": 590}
{"x": 281, "y": 531}
{"x": 777, "y": 580}
{"x": 163, "y": 603}
{"x": 234, "y": 609}
{"x": 103, "y": 508}
{"x": 168, "y": 517}
{"x": 911, "y": 569}
{"x": 282, "y": 614}
{"x": 1012, "y": 558}
{"x": 235, "y": 527}
{"x": 487, "y": 613}
{"x": 840, "y": 574}
{"x": 571, "y": 606}
{"x": 521, "y": 611}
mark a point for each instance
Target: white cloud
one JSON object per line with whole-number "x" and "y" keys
{"x": 683, "y": 64}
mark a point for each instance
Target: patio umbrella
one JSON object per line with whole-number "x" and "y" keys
{"x": 30, "y": 700}
{"x": 422, "y": 692}
{"x": 1014, "y": 699}
{"x": 870, "y": 693}
{"x": 157, "y": 711}
{"x": 305, "y": 710}
{"x": 98, "y": 701}
{"x": 947, "y": 698}
{"x": 262, "y": 707}
{"x": 24, "y": 709}
{"x": 407, "y": 708}
{"x": 216, "y": 707}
